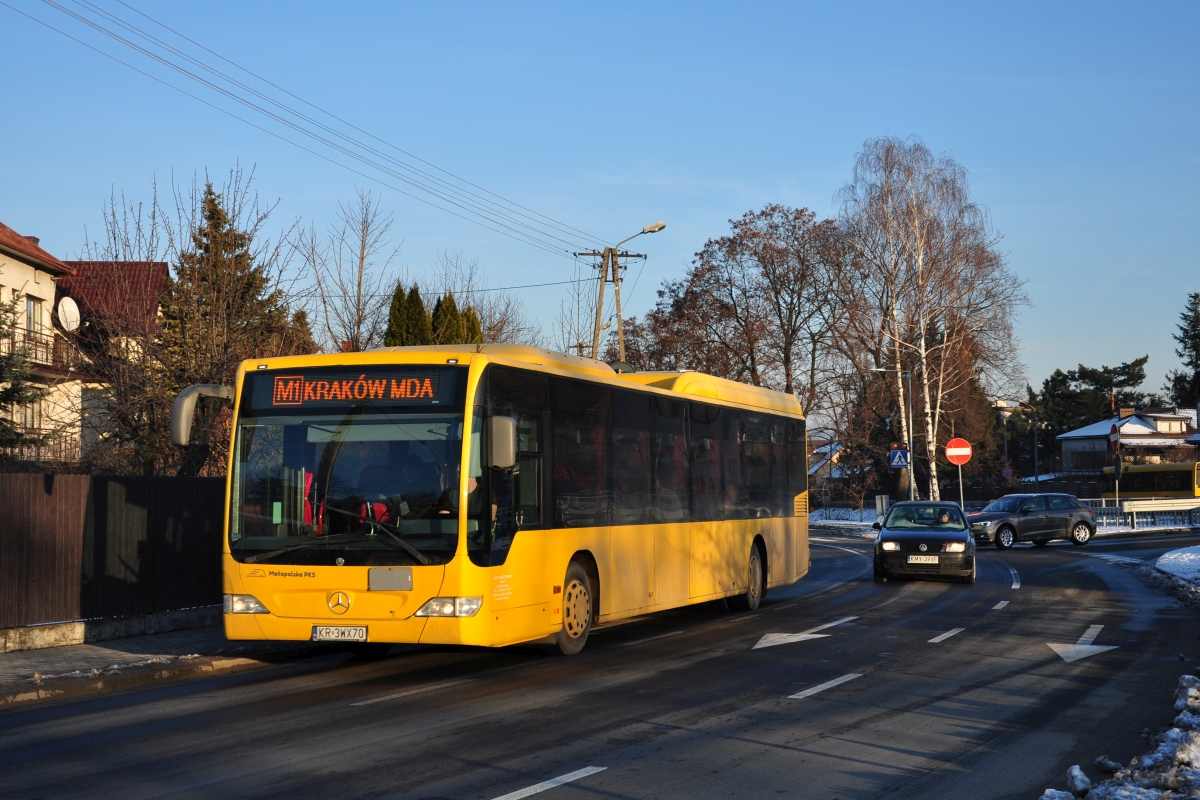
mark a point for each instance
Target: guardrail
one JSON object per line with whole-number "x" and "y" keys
{"x": 1161, "y": 511}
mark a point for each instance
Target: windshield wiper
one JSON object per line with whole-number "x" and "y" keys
{"x": 298, "y": 546}
{"x": 388, "y": 529}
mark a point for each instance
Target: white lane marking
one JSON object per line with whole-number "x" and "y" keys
{"x": 418, "y": 690}
{"x": 1083, "y": 648}
{"x": 943, "y": 637}
{"x": 1113, "y": 559}
{"x": 550, "y": 784}
{"x": 999, "y": 605}
{"x": 772, "y": 639}
{"x": 651, "y": 638}
{"x": 826, "y": 685}
{"x": 1016, "y": 578}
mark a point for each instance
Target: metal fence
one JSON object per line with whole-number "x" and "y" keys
{"x": 1108, "y": 514}
{"x": 82, "y": 547}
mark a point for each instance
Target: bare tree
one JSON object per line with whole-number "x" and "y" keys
{"x": 927, "y": 285}
{"x": 501, "y": 313}
{"x": 350, "y": 269}
{"x": 573, "y": 327}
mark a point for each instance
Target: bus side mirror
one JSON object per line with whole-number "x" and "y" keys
{"x": 502, "y": 441}
{"x": 185, "y": 408}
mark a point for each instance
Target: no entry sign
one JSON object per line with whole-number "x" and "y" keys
{"x": 958, "y": 451}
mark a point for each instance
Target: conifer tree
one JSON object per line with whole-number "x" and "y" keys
{"x": 1184, "y": 385}
{"x": 472, "y": 330}
{"x": 420, "y": 327}
{"x": 447, "y": 321}
{"x": 397, "y": 333}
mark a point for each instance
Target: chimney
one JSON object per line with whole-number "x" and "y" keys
{"x": 1127, "y": 412}
{"x": 34, "y": 240}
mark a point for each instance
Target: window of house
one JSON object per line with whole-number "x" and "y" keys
{"x": 33, "y": 314}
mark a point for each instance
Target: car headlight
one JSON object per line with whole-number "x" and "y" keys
{"x": 956, "y": 547}
{"x": 451, "y": 607}
{"x": 984, "y": 525}
{"x": 890, "y": 546}
{"x": 244, "y": 604}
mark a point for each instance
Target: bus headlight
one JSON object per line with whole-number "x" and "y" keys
{"x": 244, "y": 604}
{"x": 451, "y": 607}
{"x": 955, "y": 547}
{"x": 890, "y": 546}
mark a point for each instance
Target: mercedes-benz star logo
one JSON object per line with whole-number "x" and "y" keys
{"x": 924, "y": 547}
{"x": 339, "y": 603}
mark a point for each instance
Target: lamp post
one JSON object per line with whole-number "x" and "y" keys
{"x": 1005, "y": 411}
{"x": 908, "y": 432}
{"x": 609, "y": 264}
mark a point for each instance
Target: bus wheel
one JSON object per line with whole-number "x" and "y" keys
{"x": 576, "y": 611}
{"x": 750, "y": 600}
{"x": 368, "y": 651}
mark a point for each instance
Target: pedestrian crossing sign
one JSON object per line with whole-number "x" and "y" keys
{"x": 899, "y": 459}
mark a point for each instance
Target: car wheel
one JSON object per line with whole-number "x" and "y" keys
{"x": 1081, "y": 534}
{"x": 368, "y": 651}
{"x": 1005, "y": 538}
{"x": 753, "y": 595}
{"x": 970, "y": 579}
{"x": 576, "y": 611}
{"x": 880, "y": 575}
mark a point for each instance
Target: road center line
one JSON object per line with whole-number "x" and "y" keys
{"x": 1016, "y": 578}
{"x": 550, "y": 784}
{"x": 418, "y": 690}
{"x": 826, "y": 685}
{"x": 943, "y": 637}
{"x": 999, "y": 605}
{"x": 651, "y": 638}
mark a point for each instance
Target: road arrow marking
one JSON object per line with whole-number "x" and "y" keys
{"x": 823, "y": 686}
{"x": 1081, "y": 649}
{"x": 1016, "y": 578}
{"x": 772, "y": 639}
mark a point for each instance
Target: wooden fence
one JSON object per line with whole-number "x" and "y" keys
{"x": 82, "y": 547}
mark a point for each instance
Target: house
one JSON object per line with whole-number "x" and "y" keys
{"x": 28, "y": 278}
{"x": 1148, "y": 436}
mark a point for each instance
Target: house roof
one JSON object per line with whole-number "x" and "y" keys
{"x": 26, "y": 249}
{"x": 1139, "y": 428}
{"x": 112, "y": 290}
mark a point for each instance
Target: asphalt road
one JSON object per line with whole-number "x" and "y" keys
{"x": 677, "y": 705}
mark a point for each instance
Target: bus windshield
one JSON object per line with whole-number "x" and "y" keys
{"x": 337, "y": 469}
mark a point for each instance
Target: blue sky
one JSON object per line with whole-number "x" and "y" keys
{"x": 1078, "y": 123}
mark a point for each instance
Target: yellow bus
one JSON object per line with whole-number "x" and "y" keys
{"x": 495, "y": 495}
{"x": 1154, "y": 480}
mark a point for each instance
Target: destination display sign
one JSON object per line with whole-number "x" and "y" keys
{"x": 339, "y": 387}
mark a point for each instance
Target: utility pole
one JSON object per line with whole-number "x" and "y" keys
{"x": 610, "y": 266}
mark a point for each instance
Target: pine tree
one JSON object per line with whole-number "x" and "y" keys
{"x": 472, "y": 330}
{"x": 17, "y": 391}
{"x": 420, "y": 327}
{"x": 447, "y": 321}
{"x": 397, "y": 333}
{"x": 1184, "y": 385}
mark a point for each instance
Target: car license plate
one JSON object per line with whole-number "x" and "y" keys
{"x": 339, "y": 633}
{"x": 922, "y": 559}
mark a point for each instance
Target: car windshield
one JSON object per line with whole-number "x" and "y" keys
{"x": 1005, "y": 505}
{"x": 925, "y": 516}
{"x": 327, "y": 477}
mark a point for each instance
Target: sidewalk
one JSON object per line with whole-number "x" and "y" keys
{"x": 76, "y": 670}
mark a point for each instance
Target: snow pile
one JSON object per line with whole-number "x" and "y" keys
{"x": 867, "y": 515}
{"x": 1171, "y": 770}
{"x": 1183, "y": 564}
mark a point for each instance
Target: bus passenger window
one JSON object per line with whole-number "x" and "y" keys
{"x": 704, "y": 462}
{"x": 631, "y": 458}
{"x": 582, "y": 421}
{"x": 757, "y": 492}
{"x": 670, "y": 462}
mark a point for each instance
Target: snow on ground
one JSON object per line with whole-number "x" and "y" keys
{"x": 867, "y": 515}
{"x": 1184, "y": 563}
{"x": 1110, "y": 530}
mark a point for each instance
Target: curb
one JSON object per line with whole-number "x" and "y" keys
{"x": 58, "y": 634}
{"x": 73, "y": 688}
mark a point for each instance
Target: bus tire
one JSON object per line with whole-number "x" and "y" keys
{"x": 576, "y": 611}
{"x": 368, "y": 651}
{"x": 752, "y": 597}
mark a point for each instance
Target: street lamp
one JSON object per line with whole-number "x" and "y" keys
{"x": 1005, "y": 411}
{"x": 908, "y": 432}
{"x": 609, "y": 256}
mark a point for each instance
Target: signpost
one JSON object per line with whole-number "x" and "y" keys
{"x": 958, "y": 452}
{"x": 1114, "y": 442}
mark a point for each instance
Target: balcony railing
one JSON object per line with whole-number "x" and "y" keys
{"x": 58, "y": 448}
{"x": 44, "y": 350}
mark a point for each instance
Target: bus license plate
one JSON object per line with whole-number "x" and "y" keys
{"x": 922, "y": 559}
{"x": 339, "y": 633}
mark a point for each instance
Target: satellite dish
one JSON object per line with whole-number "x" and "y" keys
{"x": 68, "y": 314}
